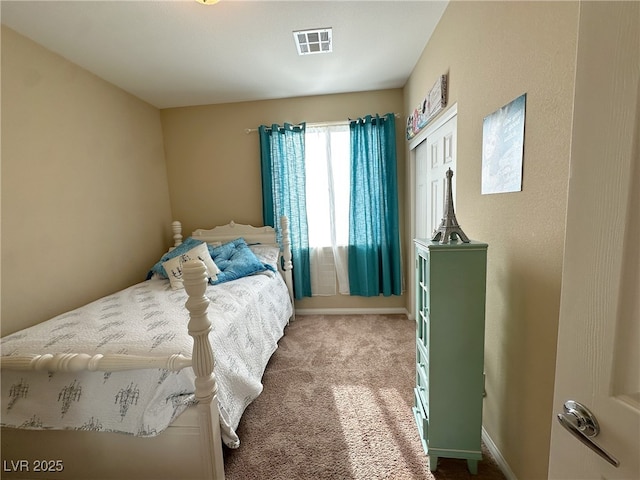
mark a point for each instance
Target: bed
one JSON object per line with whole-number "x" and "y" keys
{"x": 150, "y": 382}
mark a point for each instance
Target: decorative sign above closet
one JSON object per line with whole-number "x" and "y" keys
{"x": 435, "y": 101}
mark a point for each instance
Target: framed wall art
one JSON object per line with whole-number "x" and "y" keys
{"x": 503, "y": 148}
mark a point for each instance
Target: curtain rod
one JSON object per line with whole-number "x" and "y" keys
{"x": 317, "y": 124}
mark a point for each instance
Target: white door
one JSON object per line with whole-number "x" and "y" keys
{"x": 434, "y": 156}
{"x": 598, "y": 359}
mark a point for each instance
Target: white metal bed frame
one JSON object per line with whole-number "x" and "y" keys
{"x": 190, "y": 448}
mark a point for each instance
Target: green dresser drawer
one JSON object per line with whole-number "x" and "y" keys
{"x": 422, "y": 356}
{"x": 422, "y": 386}
{"x": 422, "y": 419}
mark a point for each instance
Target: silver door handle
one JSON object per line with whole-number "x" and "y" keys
{"x": 583, "y": 425}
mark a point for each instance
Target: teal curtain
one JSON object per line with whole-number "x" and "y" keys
{"x": 374, "y": 234}
{"x": 283, "y": 193}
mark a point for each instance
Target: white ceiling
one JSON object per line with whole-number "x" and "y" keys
{"x": 181, "y": 53}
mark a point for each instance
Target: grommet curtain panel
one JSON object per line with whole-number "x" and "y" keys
{"x": 374, "y": 236}
{"x": 282, "y": 153}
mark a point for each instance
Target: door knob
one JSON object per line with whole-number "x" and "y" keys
{"x": 582, "y": 424}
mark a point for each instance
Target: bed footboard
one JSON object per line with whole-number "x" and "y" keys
{"x": 77, "y": 362}
{"x": 209, "y": 442}
{"x": 195, "y": 283}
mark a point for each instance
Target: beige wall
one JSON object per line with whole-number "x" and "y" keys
{"x": 214, "y": 165}
{"x": 85, "y": 204}
{"x": 494, "y": 52}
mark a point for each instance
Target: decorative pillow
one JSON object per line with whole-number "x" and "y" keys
{"x": 235, "y": 260}
{"x": 184, "y": 247}
{"x": 267, "y": 254}
{"x": 173, "y": 266}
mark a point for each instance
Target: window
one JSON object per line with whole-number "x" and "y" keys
{"x": 354, "y": 241}
{"x": 327, "y": 170}
{"x": 328, "y": 178}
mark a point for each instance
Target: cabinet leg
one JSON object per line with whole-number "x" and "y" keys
{"x": 433, "y": 463}
{"x": 473, "y": 466}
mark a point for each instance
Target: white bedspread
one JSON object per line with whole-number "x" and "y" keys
{"x": 248, "y": 316}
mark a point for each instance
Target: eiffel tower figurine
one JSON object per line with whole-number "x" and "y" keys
{"x": 449, "y": 228}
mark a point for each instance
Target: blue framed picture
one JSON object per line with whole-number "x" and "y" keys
{"x": 503, "y": 148}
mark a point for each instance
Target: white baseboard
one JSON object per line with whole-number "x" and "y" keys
{"x": 352, "y": 311}
{"x": 502, "y": 463}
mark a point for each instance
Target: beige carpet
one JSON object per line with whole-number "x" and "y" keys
{"x": 337, "y": 404}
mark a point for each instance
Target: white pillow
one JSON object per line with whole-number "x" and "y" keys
{"x": 173, "y": 266}
{"x": 268, "y": 254}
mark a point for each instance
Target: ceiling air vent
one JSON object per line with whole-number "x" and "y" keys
{"x": 313, "y": 41}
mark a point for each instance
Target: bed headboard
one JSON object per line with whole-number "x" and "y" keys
{"x": 231, "y": 231}
{"x": 264, "y": 235}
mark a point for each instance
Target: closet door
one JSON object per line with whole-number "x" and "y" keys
{"x": 434, "y": 156}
